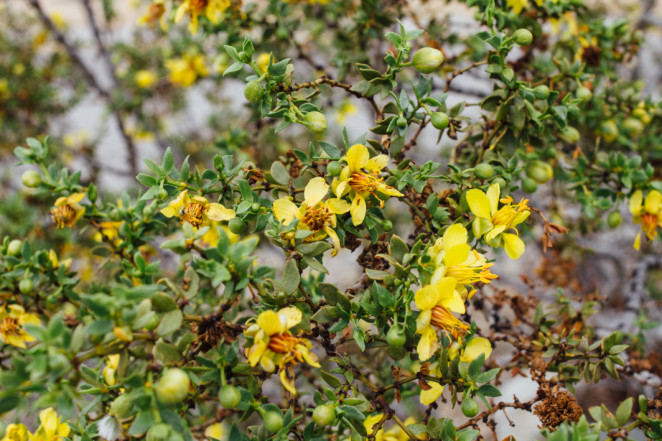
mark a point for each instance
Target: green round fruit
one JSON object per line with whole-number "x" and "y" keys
{"x": 229, "y": 396}
{"x": 523, "y": 37}
{"x": 253, "y": 91}
{"x": 31, "y": 179}
{"x": 402, "y": 122}
{"x": 316, "y": 122}
{"x": 469, "y": 407}
{"x": 570, "y": 135}
{"x": 609, "y": 130}
{"x": 273, "y": 421}
{"x": 396, "y": 337}
{"x": 541, "y": 92}
{"x": 584, "y": 93}
{"x": 439, "y": 120}
{"x": 614, "y": 219}
{"x": 539, "y": 171}
{"x": 25, "y": 286}
{"x": 529, "y": 185}
{"x": 173, "y": 386}
{"x": 484, "y": 171}
{"x": 237, "y": 225}
{"x": 387, "y": 225}
{"x": 158, "y": 432}
{"x": 633, "y": 126}
{"x": 427, "y": 60}
{"x": 324, "y": 415}
{"x": 15, "y": 247}
{"x": 121, "y": 407}
{"x": 334, "y": 168}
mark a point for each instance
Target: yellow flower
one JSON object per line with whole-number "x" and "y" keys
{"x": 217, "y": 431}
{"x": 437, "y": 303}
{"x": 195, "y": 8}
{"x": 360, "y": 179}
{"x": 185, "y": 70}
{"x": 51, "y": 429}
{"x": 518, "y": 5}
{"x": 346, "y": 109}
{"x": 12, "y": 319}
{"x": 155, "y": 12}
{"x": 262, "y": 62}
{"x": 474, "y": 349}
{"x": 453, "y": 257}
{"x": 112, "y": 363}
{"x": 52, "y": 256}
{"x": 67, "y": 210}
{"x": 395, "y": 433}
{"x": 493, "y": 222}
{"x": 145, "y": 78}
{"x": 274, "y": 345}
{"x": 314, "y": 214}
{"x": 108, "y": 230}
{"x": 16, "y": 432}
{"x": 197, "y": 210}
{"x": 647, "y": 212}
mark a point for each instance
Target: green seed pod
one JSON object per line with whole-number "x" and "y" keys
{"x": 584, "y": 93}
{"x": 643, "y": 403}
{"x": 439, "y": 120}
{"x": 237, "y": 225}
{"x": 523, "y": 37}
{"x": 273, "y": 421}
{"x": 387, "y": 225}
{"x": 15, "y": 247}
{"x": 316, "y": 122}
{"x": 614, "y": 219}
{"x": 26, "y": 286}
{"x": 395, "y": 336}
{"x": 31, "y": 179}
{"x": 541, "y": 92}
{"x": 121, "y": 407}
{"x": 324, "y": 415}
{"x": 633, "y": 126}
{"x": 529, "y": 185}
{"x": 402, "y": 122}
{"x": 484, "y": 171}
{"x": 469, "y": 407}
{"x": 255, "y": 207}
{"x": 570, "y": 135}
{"x": 158, "y": 432}
{"x": 229, "y": 396}
{"x": 334, "y": 168}
{"x": 253, "y": 91}
{"x": 427, "y": 60}
{"x": 539, "y": 171}
{"x": 609, "y": 130}
{"x": 173, "y": 386}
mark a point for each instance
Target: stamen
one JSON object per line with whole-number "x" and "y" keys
{"x": 63, "y": 216}
{"x": 192, "y": 214}
{"x": 9, "y": 326}
{"x": 443, "y": 319}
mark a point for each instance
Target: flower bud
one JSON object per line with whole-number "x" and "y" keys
{"x": 609, "y": 130}
{"x": 273, "y": 421}
{"x": 253, "y": 91}
{"x": 229, "y": 396}
{"x": 387, "y": 225}
{"x": 439, "y": 120}
{"x": 324, "y": 415}
{"x": 642, "y": 115}
{"x": 523, "y": 37}
{"x": 121, "y": 407}
{"x": 26, "y": 286}
{"x": 402, "y": 122}
{"x": 395, "y": 336}
{"x": 237, "y": 225}
{"x": 570, "y": 135}
{"x": 173, "y": 386}
{"x": 15, "y": 247}
{"x": 334, "y": 168}
{"x": 529, "y": 185}
{"x": 633, "y": 126}
{"x": 31, "y": 178}
{"x": 584, "y": 93}
{"x": 316, "y": 122}
{"x": 614, "y": 219}
{"x": 484, "y": 171}
{"x": 539, "y": 171}
{"x": 541, "y": 92}
{"x": 158, "y": 432}
{"x": 427, "y": 60}
{"x": 469, "y": 407}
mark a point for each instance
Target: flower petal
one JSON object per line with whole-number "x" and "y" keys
{"x": 634, "y": 203}
{"x": 431, "y": 395}
{"x": 285, "y": 210}
{"x": 493, "y": 195}
{"x": 357, "y": 157}
{"x": 292, "y": 316}
{"x": 653, "y": 202}
{"x": 338, "y": 206}
{"x": 315, "y": 191}
{"x": 477, "y": 346}
{"x": 479, "y": 203}
{"x": 270, "y": 323}
{"x": 377, "y": 163}
{"x": 358, "y": 210}
{"x": 454, "y": 235}
{"x": 218, "y": 212}
{"x": 457, "y": 254}
{"x": 513, "y": 245}
{"x": 287, "y": 382}
{"x": 427, "y": 297}
{"x": 428, "y": 344}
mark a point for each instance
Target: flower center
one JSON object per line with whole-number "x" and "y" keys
{"x": 192, "y": 213}
{"x": 197, "y": 6}
{"x": 316, "y": 218}
{"x": 155, "y": 12}
{"x": 9, "y": 326}
{"x": 507, "y": 214}
{"x": 649, "y": 224}
{"x": 471, "y": 273}
{"x": 63, "y": 216}
{"x": 284, "y": 343}
{"x": 363, "y": 183}
{"x": 443, "y": 319}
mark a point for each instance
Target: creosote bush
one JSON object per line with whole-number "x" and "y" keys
{"x": 155, "y": 315}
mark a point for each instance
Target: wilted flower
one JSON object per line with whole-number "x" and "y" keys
{"x": 67, "y": 210}
{"x": 109, "y": 428}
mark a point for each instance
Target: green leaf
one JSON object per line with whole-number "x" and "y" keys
{"x": 166, "y": 353}
{"x": 330, "y": 379}
{"x": 330, "y": 149}
{"x": 142, "y": 423}
{"x": 624, "y": 411}
{"x": 330, "y": 292}
{"x": 291, "y": 277}
{"x": 398, "y": 248}
{"x": 279, "y": 173}
{"x": 489, "y": 391}
{"x": 170, "y": 322}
